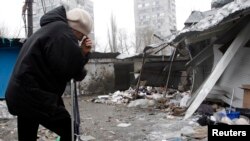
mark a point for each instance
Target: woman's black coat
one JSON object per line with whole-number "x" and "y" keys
{"x": 48, "y": 60}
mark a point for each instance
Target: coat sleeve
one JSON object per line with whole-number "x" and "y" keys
{"x": 65, "y": 58}
{"x": 83, "y": 72}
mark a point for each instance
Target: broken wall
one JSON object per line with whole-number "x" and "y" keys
{"x": 100, "y": 77}
{"x": 108, "y": 75}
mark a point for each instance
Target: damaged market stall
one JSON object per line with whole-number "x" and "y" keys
{"x": 218, "y": 45}
{"x": 9, "y": 49}
{"x": 173, "y": 73}
{"x": 153, "y": 71}
{"x": 108, "y": 72}
{"x": 227, "y": 31}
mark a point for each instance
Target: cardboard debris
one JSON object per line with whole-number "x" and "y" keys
{"x": 246, "y": 97}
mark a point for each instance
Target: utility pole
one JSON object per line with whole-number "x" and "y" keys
{"x": 30, "y": 17}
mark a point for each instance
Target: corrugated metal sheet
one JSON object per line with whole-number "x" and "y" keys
{"x": 8, "y": 57}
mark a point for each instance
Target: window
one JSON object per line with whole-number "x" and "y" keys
{"x": 139, "y": 5}
{"x": 146, "y": 4}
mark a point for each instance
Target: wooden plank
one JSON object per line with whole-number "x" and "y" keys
{"x": 246, "y": 86}
{"x": 202, "y": 93}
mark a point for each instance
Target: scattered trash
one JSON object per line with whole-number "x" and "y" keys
{"x": 103, "y": 96}
{"x": 233, "y": 115}
{"x": 174, "y": 102}
{"x": 87, "y": 138}
{"x": 170, "y": 117}
{"x": 124, "y": 125}
{"x": 187, "y": 130}
{"x": 185, "y": 98}
{"x": 142, "y": 103}
{"x": 198, "y": 133}
{"x": 178, "y": 111}
{"x": 242, "y": 121}
{"x": 205, "y": 109}
{"x": 226, "y": 120}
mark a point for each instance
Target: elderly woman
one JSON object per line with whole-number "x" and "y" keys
{"x": 47, "y": 61}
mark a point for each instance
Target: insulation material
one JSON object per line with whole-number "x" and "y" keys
{"x": 236, "y": 74}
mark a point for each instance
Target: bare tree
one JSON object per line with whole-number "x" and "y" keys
{"x": 16, "y": 33}
{"x": 43, "y": 4}
{"x": 131, "y": 42}
{"x": 144, "y": 38}
{"x": 118, "y": 39}
{"x": 3, "y": 31}
{"x": 123, "y": 41}
{"x": 112, "y": 34}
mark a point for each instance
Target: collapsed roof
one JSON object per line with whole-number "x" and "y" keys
{"x": 227, "y": 30}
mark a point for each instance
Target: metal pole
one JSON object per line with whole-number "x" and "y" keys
{"x": 139, "y": 79}
{"x": 30, "y": 17}
{"x": 72, "y": 88}
{"x": 169, "y": 72}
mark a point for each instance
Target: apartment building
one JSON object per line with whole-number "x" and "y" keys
{"x": 153, "y": 17}
{"x": 40, "y": 7}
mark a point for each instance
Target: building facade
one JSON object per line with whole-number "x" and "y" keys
{"x": 153, "y": 17}
{"x": 40, "y": 7}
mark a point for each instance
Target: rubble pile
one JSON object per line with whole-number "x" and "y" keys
{"x": 172, "y": 101}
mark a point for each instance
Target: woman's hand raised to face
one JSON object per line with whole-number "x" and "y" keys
{"x": 86, "y": 45}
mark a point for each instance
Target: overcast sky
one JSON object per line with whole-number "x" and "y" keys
{"x": 10, "y": 14}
